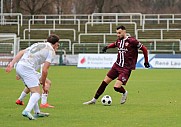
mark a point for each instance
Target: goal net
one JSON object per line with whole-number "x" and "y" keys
{"x": 9, "y": 47}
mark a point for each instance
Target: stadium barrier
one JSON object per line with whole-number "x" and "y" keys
{"x": 155, "y": 44}
{"x": 161, "y": 18}
{"x": 105, "y": 17}
{"x": 161, "y": 31}
{"x": 96, "y": 45}
{"x": 104, "y": 35}
{"x": 116, "y": 17}
{"x": 96, "y": 34}
{"x": 32, "y": 21}
{"x": 82, "y": 17}
{"x": 49, "y": 31}
{"x": 110, "y": 25}
{"x": 31, "y": 41}
{"x": 5, "y": 20}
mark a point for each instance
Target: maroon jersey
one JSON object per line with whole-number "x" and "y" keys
{"x": 127, "y": 52}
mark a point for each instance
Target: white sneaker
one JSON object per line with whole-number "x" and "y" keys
{"x": 28, "y": 115}
{"x": 124, "y": 97}
{"x": 93, "y": 101}
{"x": 41, "y": 114}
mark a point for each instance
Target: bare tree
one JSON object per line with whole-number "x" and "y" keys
{"x": 99, "y": 4}
{"x": 36, "y": 6}
{"x": 58, "y": 6}
{"x": 167, "y": 6}
{"x": 6, "y": 6}
{"x": 17, "y": 6}
{"x": 66, "y": 6}
{"x": 63, "y": 6}
{"x": 84, "y": 6}
{"x": 89, "y": 6}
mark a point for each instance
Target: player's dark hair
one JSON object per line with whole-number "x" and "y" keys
{"x": 53, "y": 38}
{"x": 121, "y": 27}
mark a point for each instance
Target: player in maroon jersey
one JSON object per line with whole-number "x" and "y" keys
{"x": 126, "y": 61}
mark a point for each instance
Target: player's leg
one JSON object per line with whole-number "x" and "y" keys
{"x": 111, "y": 75}
{"x": 122, "y": 80}
{"x": 33, "y": 104}
{"x": 44, "y": 97}
{"x": 35, "y": 96}
{"x": 100, "y": 90}
{"x": 119, "y": 88}
{"x": 31, "y": 80}
{"x": 37, "y": 112}
{"x": 23, "y": 94}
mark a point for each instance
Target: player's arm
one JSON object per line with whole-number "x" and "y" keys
{"x": 112, "y": 45}
{"x": 44, "y": 74}
{"x": 15, "y": 59}
{"x": 145, "y": 53}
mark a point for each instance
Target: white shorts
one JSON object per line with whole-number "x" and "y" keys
{"x": 29, "y": 76}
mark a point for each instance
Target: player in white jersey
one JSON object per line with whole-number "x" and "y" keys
{"x": 30, "y": 59}
{"x": 44, "y": 96}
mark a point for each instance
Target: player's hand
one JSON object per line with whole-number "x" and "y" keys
{"x": 147, "y": 65}
{"x": 17, "y": 77}
{"x": 104, "y": 49}
{"x": 9, "y": 67}
{"x": 45, "y": 89}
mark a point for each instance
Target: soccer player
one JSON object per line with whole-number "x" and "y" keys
{"x": 126, "y": 61}
{"x": 44, "y": 96}
{"x": 29, "y": 61}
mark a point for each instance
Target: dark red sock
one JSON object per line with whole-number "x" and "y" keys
{"x": 121, "y": 89}
{"x": 101, "y": 89}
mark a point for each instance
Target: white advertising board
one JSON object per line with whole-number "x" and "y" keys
{"x": 107, "y": 60}
{"x": 96, "y": 60}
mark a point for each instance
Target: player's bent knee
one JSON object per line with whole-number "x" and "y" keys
{"x": 47, "y": 87}
{"x": 48, "y": 82}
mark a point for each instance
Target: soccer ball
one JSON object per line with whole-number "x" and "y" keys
{"x": 106, "y": 100}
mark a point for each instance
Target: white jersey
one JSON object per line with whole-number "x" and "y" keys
{"x": 37, "y": 54}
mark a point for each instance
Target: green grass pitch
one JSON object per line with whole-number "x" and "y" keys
{"x": 154, "y": 99}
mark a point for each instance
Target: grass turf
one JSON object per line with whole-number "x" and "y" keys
{"x": 153, "y": 100}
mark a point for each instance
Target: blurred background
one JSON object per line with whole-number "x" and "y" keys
{"x": 34, "y": 7}
{"x": 86, "y": 26}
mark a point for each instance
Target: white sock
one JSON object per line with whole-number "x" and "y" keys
{"x": 44, "y": 98}
{"x": 22, "y": 96}
{"x": 32, "y": 101}
{"x": 36, "y": 108}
